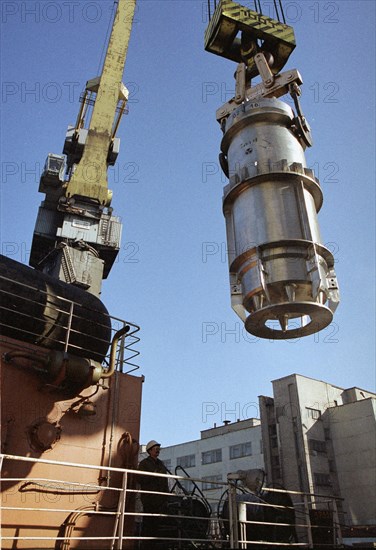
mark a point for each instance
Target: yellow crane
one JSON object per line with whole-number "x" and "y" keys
{"x": 76, "y": 237}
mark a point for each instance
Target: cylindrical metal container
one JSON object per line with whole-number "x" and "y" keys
{"x": 40, "y": 309}
{"x": 282, "y": 278}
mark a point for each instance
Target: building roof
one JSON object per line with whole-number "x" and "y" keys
{"x": 230, "y": 427}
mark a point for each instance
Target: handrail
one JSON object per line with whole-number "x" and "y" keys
{"x": 62, "y": 306}
{"x": 184, "y": 523}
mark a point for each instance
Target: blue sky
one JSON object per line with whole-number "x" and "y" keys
{"x": 171, "y": 276}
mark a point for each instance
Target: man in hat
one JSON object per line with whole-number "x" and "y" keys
{"x": 152, "y": 501}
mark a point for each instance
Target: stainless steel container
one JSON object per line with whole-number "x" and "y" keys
{"x": 283, "y": 283}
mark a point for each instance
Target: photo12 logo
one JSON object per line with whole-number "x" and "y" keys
{"x": 54, "y": 11}
{"x": 213, "y": 332}
{"x": 39, "y": 92}
{"x": 226, "y": 412}
{"x": 293, "y": 10}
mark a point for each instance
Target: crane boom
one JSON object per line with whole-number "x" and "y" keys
{"x": 90, "y": 177}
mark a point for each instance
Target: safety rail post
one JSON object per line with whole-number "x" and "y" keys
{"x": 233, "y": 516}
{"x": 337, "y": 534}
{"x": 308, "y": 519}
{"x": 120, "y": 357}
{"x": 242, "y": 514}
{"x": 69, "y": 327}
{"x": 121, "y": 510}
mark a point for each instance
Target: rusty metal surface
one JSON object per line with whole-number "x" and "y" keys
{"x": 94, "y": 440}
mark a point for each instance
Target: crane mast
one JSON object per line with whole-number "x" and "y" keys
{"x": 76, "y": 237}
{"x": 282, "y": 278}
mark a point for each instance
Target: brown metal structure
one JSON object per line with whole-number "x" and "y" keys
{"x": 97, "y": 430}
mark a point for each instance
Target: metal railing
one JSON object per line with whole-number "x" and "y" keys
{"x": 40, "y": 317}
{"x": 187, "y": 519}
{"x": 291, "y": 526}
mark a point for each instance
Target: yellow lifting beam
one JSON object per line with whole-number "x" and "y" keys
{"x": 230, "y": 19}
{"x": 89, "y": 179}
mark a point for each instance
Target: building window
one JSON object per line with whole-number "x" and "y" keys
{"x": 188, "y": 461}
{"x": 322, "y": 479}
{"x": 316, "y": 445}
{"x": 243, "y": 449}
{"x": 326, "y": 433}
{"x": 332, "y": 466}
{"x": 167, "y": 463}
{"x": 209, "y": 457}
{"x": 313, "y": 413}
{"x": 208, "y": 482}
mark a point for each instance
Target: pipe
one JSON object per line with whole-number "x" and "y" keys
{"x": 114, "y": 343}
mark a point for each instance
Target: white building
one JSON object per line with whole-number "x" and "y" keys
{"x": 221, "y": 450}
{"x": 320, "y": 438}
{"x": 313, "y": 437}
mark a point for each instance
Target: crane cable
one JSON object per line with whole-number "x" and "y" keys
{"x": 282, "y": 13}
{"x": 89, "y": 101}
{"x": 258, "y": 7}
{"x": 105, "y": 43}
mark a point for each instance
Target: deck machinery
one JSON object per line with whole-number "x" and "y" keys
{"x": 282, "y": 278}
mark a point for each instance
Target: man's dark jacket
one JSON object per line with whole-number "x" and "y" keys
{"x": 153, "y": 503}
